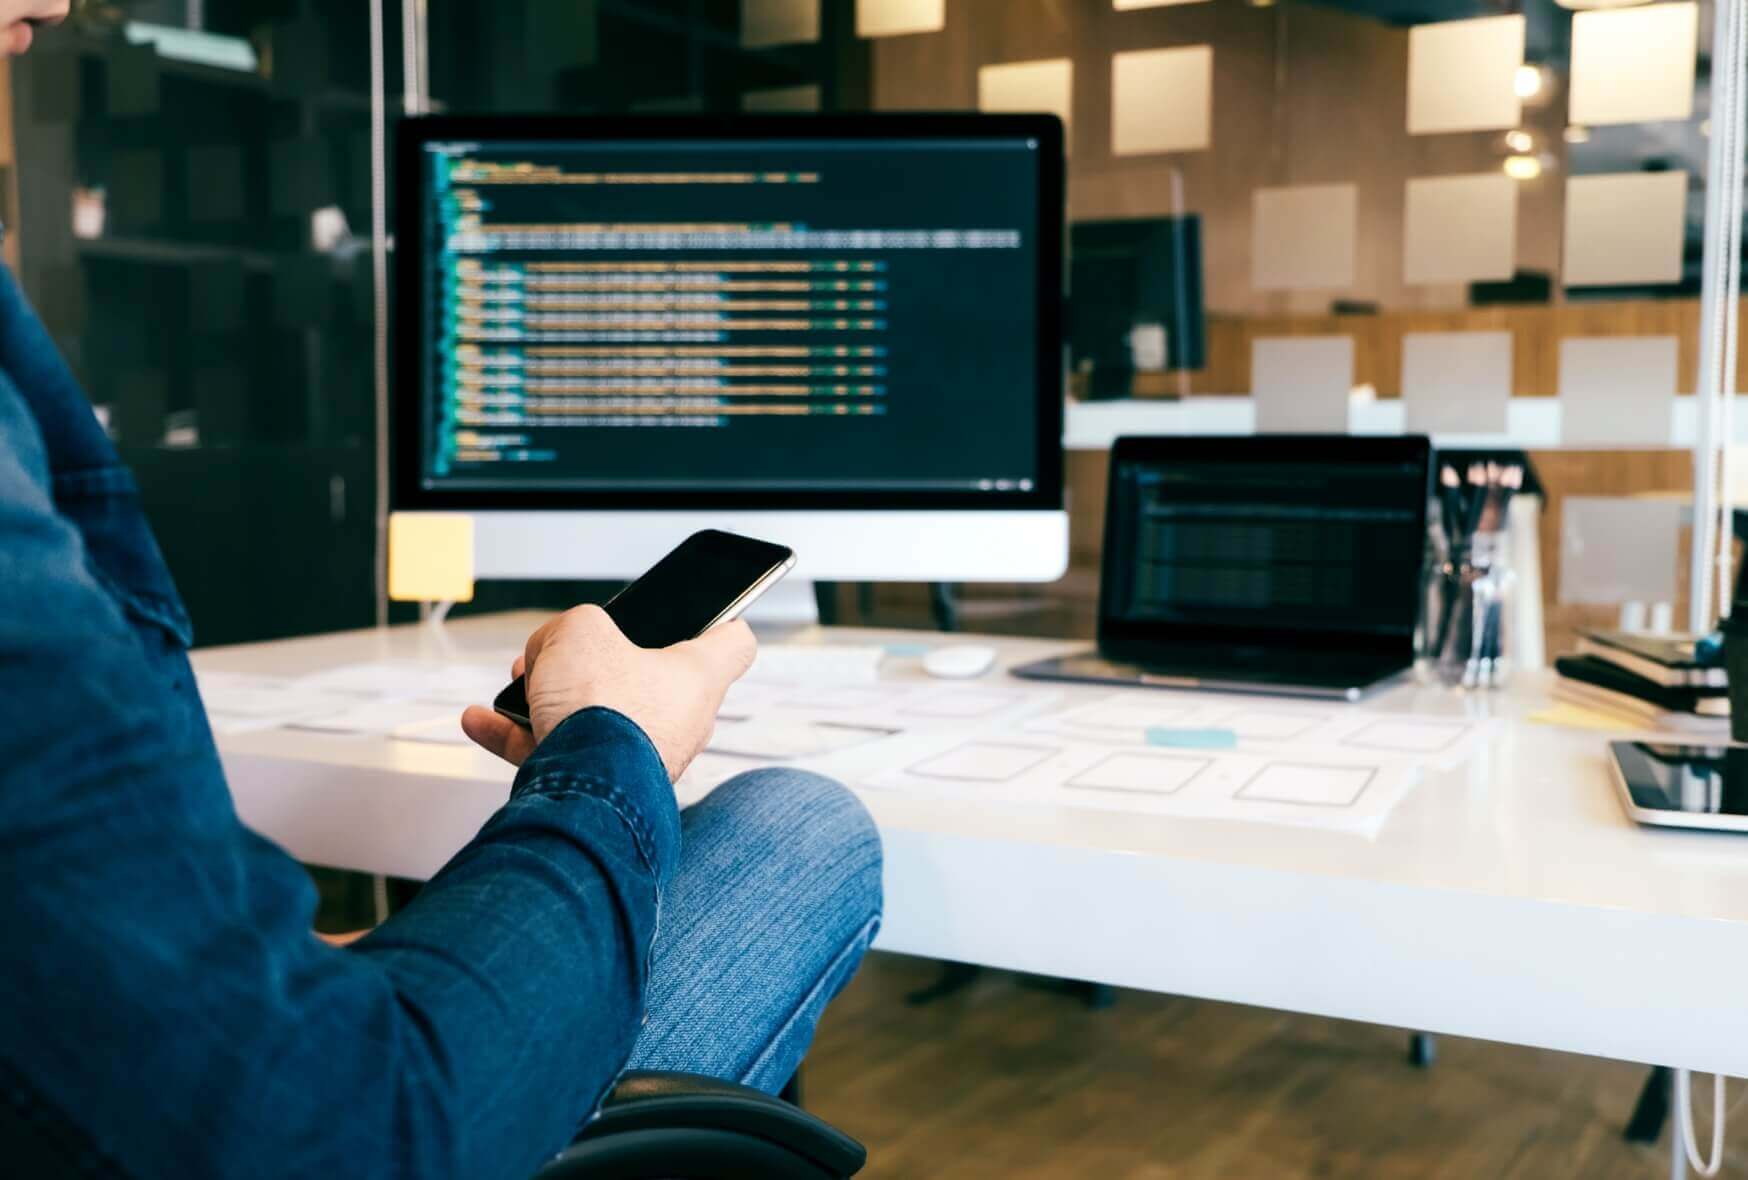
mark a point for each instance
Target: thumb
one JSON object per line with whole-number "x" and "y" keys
{"x": 727, "y": 650}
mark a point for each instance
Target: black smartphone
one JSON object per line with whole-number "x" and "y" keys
{"x": 709, "y": 578}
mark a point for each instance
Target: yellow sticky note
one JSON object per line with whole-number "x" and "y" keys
{"x": 430, "y": 557}
{"x": 1577, "y": 717}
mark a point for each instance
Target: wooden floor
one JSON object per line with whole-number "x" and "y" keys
{"x": 1009, "y": 1079}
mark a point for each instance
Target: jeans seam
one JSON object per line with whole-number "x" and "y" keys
{"x": 612, "y": 796}
{"x": 863, "y": 938}
{"x": 589, "y": 787}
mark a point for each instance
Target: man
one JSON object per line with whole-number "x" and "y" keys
{"x": 167, "y": 1010}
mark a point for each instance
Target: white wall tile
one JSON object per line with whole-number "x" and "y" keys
{"x": 1625, "y": 227}
{"x": 1300, "y": 384}
{"x": 1462, "y": 75}
{"x": 778, "y": 22}
{"x": 1634, "y": 65}
{"x": 897, "y": 18}
{"x": 1044, "y": 85}
{"x": 1459, "y": 229}
{"x": 1303, "y": 237}
{"x": 1456, "y": 382}
{"x": 1615, "y": 550}
{"x": 1617, "y": 390}
{"x": 1162, "y": 100}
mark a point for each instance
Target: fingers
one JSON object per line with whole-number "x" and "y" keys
{"x": 518, "y": 666}
{"x": 497, "y": 734}
{"x": 727, "y": 650}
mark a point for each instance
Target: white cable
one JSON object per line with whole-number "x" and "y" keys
{"x": 1684, "y": 1111}
{"x": 379, "y": 279}
{"x": 1730, "y": 69}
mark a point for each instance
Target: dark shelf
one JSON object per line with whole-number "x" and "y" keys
{"x": 172, "y": 253}
{"x": 67, "y": 41}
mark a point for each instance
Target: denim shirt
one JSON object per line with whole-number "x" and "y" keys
{"x": 165, "y": 1009}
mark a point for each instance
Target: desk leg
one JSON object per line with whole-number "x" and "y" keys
{"x": 954, "y": 977}
{"x": 944, "y": 605}
{"x": 1645, "y": 1125}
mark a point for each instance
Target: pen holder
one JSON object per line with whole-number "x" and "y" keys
{"x": 1469, "y": 620}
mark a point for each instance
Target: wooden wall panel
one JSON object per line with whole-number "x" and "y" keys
{"x": 1536, "y": 334}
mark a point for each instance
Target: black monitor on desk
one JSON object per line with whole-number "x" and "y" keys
{"x": 1130, "y": 274}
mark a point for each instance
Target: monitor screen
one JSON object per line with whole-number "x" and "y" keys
{"x": 803, "y": 312}
{"x": 1243, "y": 540}
{"x": 1131, "y": 281}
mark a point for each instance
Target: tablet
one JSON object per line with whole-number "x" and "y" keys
{"x": 1683, "y": 786}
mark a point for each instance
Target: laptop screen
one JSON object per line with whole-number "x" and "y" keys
{"x": 1263, "y": 545}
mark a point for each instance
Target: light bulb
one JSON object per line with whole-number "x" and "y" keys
{"x": 1522, "y": 167}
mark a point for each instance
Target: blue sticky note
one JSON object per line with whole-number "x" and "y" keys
{"x": 1192, "y": 739}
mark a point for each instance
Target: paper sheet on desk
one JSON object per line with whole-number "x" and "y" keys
{"x": 1350, "y": 793}
{"x": 904, "y": 705}
{"x": 385, "y": 718}
{"x": 811, "y": 664}
{"x": 785, "y": 738}
{"x": 241, "y": 703}
{"x": 457, "y": 683}
{"x": 1273, "y": 726}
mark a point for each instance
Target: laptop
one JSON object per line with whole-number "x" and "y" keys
{"x": 1285, "y": 564}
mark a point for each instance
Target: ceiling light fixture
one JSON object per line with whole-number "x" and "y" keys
{"x": 1519, "y": 141}
{"x": 1522, "y": 167}
{"x": 1527, "y": 82}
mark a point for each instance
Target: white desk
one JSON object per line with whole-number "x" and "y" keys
{"x": 1508, "y": 899}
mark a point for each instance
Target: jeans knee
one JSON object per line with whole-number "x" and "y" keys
{"x": 822, "y": 825}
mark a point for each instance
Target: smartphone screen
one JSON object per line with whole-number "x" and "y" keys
{"x": 681, "y": 595}
{"x": 708, "y": 578}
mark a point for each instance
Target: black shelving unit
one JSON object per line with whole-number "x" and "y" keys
{"x": 232, "y": 359}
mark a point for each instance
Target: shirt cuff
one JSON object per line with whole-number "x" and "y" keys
{"x": 603, "y": 753}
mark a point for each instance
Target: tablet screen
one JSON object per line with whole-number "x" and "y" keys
{"x": 1701, "y": 780}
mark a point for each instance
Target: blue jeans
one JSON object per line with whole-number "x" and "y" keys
{"x": 168, "y": 1011}
{"x": 776, "y": 898}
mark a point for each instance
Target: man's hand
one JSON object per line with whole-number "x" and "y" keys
{"x": 580, "y": 660}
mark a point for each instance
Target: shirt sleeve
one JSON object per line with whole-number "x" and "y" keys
{"x": 170, "y": 1013}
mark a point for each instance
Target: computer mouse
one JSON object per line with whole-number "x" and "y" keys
{"x": 962, "y": 661}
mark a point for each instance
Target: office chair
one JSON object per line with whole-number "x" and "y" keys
{"x": 679, "y": 1126}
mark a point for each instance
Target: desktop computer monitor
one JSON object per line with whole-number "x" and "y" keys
{"x": 839, "y": 333}
{"x": 1128, "y": 275}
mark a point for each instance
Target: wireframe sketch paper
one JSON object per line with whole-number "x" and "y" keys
{"x": 1262, "y": 724}
{"x": 1343, "y": 792}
